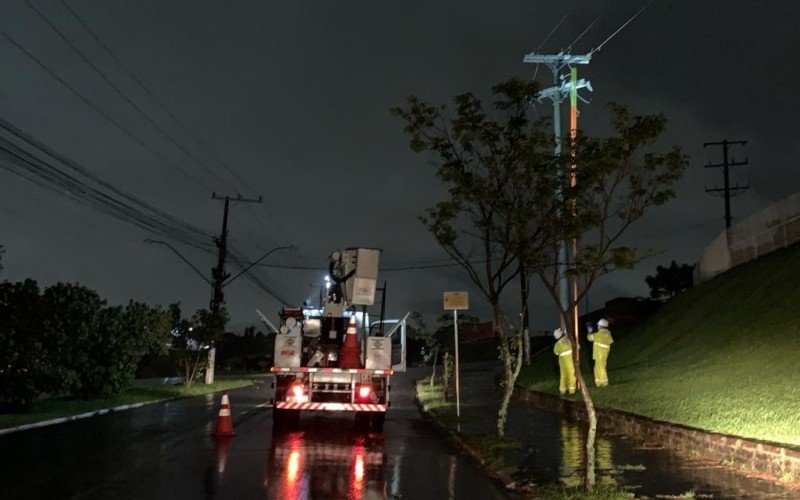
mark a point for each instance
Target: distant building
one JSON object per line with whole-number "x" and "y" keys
{"x": 475, "y": 332}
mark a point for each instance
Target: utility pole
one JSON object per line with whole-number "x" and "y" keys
{"x": 727, "y": 190}
{"x": 567, "y": 87}
{"x": 218, "y": 274}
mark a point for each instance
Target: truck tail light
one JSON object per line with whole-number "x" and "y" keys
{"x": 297, "y": 393}
{"x": 364, "y": 392}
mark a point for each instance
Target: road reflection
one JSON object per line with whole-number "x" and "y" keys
{"x": 326, "y": 461}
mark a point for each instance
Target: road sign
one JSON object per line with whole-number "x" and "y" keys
{"x": 454, "y": 301}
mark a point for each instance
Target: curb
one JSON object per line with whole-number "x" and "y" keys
{"x": 94, "y": 413}
{"x": 762, "y": 459}
{"x": 455, "y": 439}
{"x": 80, "y": 416}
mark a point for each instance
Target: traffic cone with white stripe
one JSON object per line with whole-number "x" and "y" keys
{"x": 350, "y": 355}
{"x": 224, "y": 421}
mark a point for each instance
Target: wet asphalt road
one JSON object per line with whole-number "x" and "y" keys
{"x": 165, "y": 450}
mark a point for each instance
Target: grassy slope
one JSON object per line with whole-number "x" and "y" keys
{"x": 722, "y": 356}
{"x": 63, "y": 407}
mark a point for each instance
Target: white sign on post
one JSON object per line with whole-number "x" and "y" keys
{"x": 455, "y": 301}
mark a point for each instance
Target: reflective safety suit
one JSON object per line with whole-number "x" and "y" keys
{"x": 602, "y": 345}
{"x": 563, "y": 349}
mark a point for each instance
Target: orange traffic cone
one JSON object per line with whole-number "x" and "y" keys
{"x": 350, "y": 356}
{"x": 224, "y": 422}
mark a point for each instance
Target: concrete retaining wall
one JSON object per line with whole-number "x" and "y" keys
{"x": 774, "y": 227}
{"x": 769, "y": 460}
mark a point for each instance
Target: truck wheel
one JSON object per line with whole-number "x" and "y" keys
{"x": 378, "y": 418}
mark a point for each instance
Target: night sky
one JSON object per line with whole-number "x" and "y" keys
{"x": 293, "y": 97}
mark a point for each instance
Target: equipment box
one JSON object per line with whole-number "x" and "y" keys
{"x": 287, "y": 350}
{"x": 379, "y": 353}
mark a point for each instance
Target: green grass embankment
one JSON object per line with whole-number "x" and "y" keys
{"x": 723, "y": 356}
{"x": 48, "y": 409}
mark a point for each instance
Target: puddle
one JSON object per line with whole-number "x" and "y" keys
{"x": 552, "y": 449}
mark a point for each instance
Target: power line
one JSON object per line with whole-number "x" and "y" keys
{"x": 85, "y": 172}
{"x": 569, "y": 47}
{"x": 555, "y": 28}
{"x": 46, "y": 175}
{"x": 122, "y": 94}
{"x": 174, "y": 118}
{"x": 24, "y": 164}
{"x": 612, "y": 35}
{"x": 102, "y": 113}
{"x": 152, "y": 94}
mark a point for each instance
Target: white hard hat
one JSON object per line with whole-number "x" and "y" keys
{"x": 603, "y": 323}
{"x": 557, "y": 333}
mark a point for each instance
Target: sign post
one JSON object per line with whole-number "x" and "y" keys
{"x": 455, "y": 301}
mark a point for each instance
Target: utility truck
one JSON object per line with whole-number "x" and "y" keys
{"x": 332, "y": 358}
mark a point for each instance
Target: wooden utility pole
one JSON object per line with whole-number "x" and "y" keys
{"x": 727, "y": 190}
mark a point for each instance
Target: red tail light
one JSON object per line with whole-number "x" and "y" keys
{"x": 364, "y": 392}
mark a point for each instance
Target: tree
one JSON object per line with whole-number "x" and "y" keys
{"x": 2, "y": 251}
{"x": 68, "y": 315}
{"x": 25, "y": 367}
{"x": 494, "y": 169}
{"x": 192, "y": 338}
{"x": 248, "y": 352}
{"x": 97, "y": 347}
{"x": 616, "y": 183}
{"x": 418, "y": 338}
{"x": 670, "y": 281}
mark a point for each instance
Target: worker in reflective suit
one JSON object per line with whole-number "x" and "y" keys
{"x": 563, "y": 349}
{"x": 602, "y": 341}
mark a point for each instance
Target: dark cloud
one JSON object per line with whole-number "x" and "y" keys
{"x": 295, "y": 98}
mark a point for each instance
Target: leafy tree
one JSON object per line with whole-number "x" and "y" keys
{"x": 2, "y": 251}
{"x": 96, "y": 347}
{"x": 68, "y": 316}
{"x": 512, "y": 202}
{"x": 418, "y": 338}
{"x": 191, "y": 340}
{"x": 249, "y": 352}
{"x": 494, "y": 169}
{"x": 24, "y": 364}
{"x": 616, "y": 183}
{"x": 670, "y": 281}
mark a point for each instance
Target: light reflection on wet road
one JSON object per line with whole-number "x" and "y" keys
{"x": 165, "y": 451}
